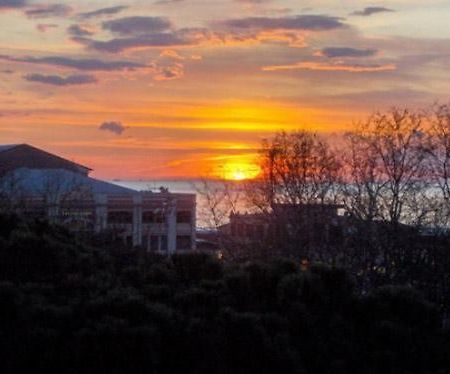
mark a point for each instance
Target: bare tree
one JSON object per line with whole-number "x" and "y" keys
{"x": 217, "y": 201}
{"x": 363, "y": 180}
{"x": 440, "y": 162}
{"x": 387, "y": 168}
{"x": 298, "y": 168}
{"x": 387, "y": 190}
{"x": 67, "y": 199}
{"x": 300, "y": 173}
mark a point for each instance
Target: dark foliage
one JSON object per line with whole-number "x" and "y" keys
{"x": 68, "y": 307}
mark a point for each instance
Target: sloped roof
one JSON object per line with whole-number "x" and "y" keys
{"x": 39, "y": 153}
{"x": 6, "y": 147}
{"x": 38, "y": 181}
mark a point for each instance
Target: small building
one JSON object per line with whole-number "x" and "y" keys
{"x": 287, "y": 228}
{"x": 249, "y": 227}
{"x": 315, "y": 222}
{"x": 46, "y": 185}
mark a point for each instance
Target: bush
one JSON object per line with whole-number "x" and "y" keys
{"x": 66, "y": 306}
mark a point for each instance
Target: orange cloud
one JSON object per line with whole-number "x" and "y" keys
{"x": 321, "y": 66}
{"x": 170, "y": 53}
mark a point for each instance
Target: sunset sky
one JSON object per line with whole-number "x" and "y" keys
{"x": 184, "y": 88}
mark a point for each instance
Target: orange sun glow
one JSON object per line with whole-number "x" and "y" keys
{"x": 239, "y": 171}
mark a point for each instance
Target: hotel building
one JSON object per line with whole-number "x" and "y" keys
{"x": 46, "y": 185}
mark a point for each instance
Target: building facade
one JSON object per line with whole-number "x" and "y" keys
{"x": 312, "y": 223}
{"x": 49, "y": 186}
{"x": 288, "y": 230}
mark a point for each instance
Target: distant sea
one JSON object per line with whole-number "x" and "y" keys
{"x": 176, "y": 186}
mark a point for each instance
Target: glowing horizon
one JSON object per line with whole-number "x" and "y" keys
{"x": 188, "y": 88}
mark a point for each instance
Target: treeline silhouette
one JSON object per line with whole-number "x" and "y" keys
{"x": 69, "y": 306}
{"x": 389, "y": 177}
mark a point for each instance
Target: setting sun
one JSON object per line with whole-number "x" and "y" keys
{"x": 240, "y": 171}
{"x": 238, "y": 175}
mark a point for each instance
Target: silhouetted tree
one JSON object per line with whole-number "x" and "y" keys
{"x": 299, "y": 174}
{"x": 386, "y": 169}
{"x": 440, "y": 162}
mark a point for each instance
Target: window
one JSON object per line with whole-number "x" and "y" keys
{"x": 158, "y": 243}
{"x": 152, "y": 216}
{"x": 154, "y": 243}
{"x": 144, "y": 242}
{"x": 120, "y": 217}
{"x": 183, "y": 242}
{"x": 184, "y": 217}
{"x": 163, "y": 243}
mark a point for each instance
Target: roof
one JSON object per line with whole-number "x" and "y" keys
{"x": 38, "y": 181}
{"x": 313, "y": 205}
{"x": 8, "y": 147}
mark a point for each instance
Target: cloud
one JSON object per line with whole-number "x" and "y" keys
{"x": 79, "y": 64}
{"x": 56, "y": 80}
{"x": 137, "y": 25}
{"x": 157, "y": 32}
{"x": 175, "y": 71}
{"x": 171, "y": 54}
{"x": 79, "y": 31}
{"x": 44, "y": 27}
{"x": 11, "y": 4}
{"x": 320, "y": 66}
{"x": 115, "y": 127}
{"x": 180, "y": 39}
{"x": 332, "y": 52}
{"x": 301, "y": 22}
{"x": 193, "y": 37}
{"x": 368, "y": 11}
{"x": 47, "y": 11}
{"x": 103, "y": 12}
{"x": 121, "y": 44}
